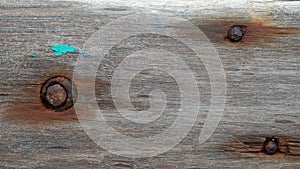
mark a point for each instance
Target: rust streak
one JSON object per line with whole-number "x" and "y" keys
{"x": 28, "y": 109}
{"x": 36, "y": 115}
{"x": 257, "y": 32}
{"x": 254, "y": 146}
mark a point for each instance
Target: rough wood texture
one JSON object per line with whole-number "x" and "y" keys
{"x": 262, "y": 73}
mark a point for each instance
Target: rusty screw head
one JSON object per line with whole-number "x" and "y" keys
{"x": 271, "y": 146}
{"x": 58, "y": 94}
{"x": 235, "y": 33}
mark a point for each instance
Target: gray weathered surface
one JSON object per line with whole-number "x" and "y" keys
{"x": 263, "y": 94}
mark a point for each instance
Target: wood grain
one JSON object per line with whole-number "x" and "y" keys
{"x": 262, "y": 74}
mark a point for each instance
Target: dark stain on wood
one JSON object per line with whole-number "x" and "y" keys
{"x": 284, "y": 121}
{"x": 31, "y": 111}
{"x": 123, "y": 165}
{"x": 57, "y": 148}
{"x": 257, "y": 32}
{"x": 37, "y": 115}
{"x": 115, "y": 9}
{"x": 254, "y": 146}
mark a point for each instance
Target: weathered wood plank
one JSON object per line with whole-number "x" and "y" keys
{"x": 262, "y": 74}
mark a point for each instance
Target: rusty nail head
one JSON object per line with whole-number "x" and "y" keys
{"x": 58, "y": 94}
{"x": 271, "y": 146}
{"x": 235, "y": 33}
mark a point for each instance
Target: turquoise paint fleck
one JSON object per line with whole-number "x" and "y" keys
{"x": 60, "y": 50}
{"x": 84, "y": 54}
{"x": 34, "y": 55}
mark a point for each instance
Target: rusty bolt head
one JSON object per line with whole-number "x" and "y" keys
{"x": 235, "y": 33}
{"x": 58, "y": 94}
{"x": 271, "y": 146}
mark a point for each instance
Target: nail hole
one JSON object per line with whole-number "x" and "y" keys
{"x": 271, "y": 146}
{"x": 58, "y": 94}
{"x": 235, "y": 33}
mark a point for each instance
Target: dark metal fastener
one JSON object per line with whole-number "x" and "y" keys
{"x": 58, "y": 94}
{"x": 235, "y": 33}
{"x": 271, "y": 146}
